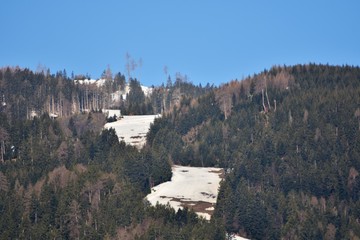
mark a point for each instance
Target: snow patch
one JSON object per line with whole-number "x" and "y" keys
{"x": 98, "y": 82}
{"x": 133, "y": 129}
{"x": 235, "y": 237}
{"x": 112, "y": 112}
{"x": 189, "y": 186}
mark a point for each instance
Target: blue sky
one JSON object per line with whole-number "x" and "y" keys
{"x": 209, "y": 41}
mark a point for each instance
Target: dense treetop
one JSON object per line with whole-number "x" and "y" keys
{"x": 288, "y": 138}
{"x": 63, "y": 176}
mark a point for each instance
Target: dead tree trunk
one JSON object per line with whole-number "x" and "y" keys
{"x": 267, "y": 97}
{"x": 274, "y": 105}
{"x": 263, "y": 100}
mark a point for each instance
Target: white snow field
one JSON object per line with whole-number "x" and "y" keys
{"x": 112, "y": 112}
{"x": 133, "y": 129}
{"x": 237, "y": 237}
{"x": 194, "y": 187}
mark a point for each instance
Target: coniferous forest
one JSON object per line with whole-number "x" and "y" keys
{"x": 288, "y": 139}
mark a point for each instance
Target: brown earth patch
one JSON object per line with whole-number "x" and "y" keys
{"x": 221, "y": 173}
{"x": 197, "y": 206}
{"x": 135, "y": 137}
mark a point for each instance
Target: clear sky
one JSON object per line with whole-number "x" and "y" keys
{"x": 209, "y": 41}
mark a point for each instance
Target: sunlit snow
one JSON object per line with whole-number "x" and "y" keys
{"x": 133, "y": 129}
{"x": 235, "y": 237}
{"x": 112, "y": 112}
{"x": 195, "y": 187}
{"x": 98, "y": 82}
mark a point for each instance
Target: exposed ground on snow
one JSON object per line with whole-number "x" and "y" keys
{"x": 133, "y": 129}
{"x": 194, "y": 187}
{"x": 235, "y": 237}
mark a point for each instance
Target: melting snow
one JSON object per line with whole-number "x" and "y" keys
{"x": 133, "y": 129}
{"x": 195, "y": 187}
{"x": 112, "y": 112}
{"x": 98, "y": 82}
{"x": 235, "y": 237}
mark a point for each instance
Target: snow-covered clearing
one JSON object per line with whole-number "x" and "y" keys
{"x": 133, "y": 129}
{"x": 194, "y": 187}
{"x": 97, "y": 82}
{"x": 112, "y": 112}
{"x": 235, "y": 237}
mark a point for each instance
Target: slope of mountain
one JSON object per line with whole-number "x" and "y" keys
{"x": 62, "y": 175}
{"x": 289, "y": 138}
{"x": 192, "y": 187}
{"x": 133, "y": 129}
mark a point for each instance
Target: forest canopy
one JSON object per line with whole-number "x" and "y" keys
{"x": 288, "y": 139}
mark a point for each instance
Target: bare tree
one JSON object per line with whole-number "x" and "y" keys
{"x": 4, "y": 184}
{"x": 357, "y": 115}
{"x": 108, "y": 76}
{"x": 267, "y": 98}
{"x": 225, "y": 103}
{"x": 108, "y": 73}
{"x": 165, "y": 70}
{"x": 306, "y": 116}
{"x": 263, "y": 102}
{"x": 140, "y": 64}
{"x": 290, "y": 118}
{"x": 41, "y": 68}
{"x": 4, "y": 136}
{"x": 127, "y": 65}
{"x": 131, "y": 64}
{"x": 74, "y": 219}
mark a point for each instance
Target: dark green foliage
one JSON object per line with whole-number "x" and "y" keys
{"x": 136, "y": 99}
{"x": 301, "y": 151}
{"x": 182, "y": 224}
{"x": 112, "y": 119}
{"x": 168, "y": 132}
{"x": 304, "y": 154}
{"x": 68, "y": 178}
{"x": 291, "y": 173}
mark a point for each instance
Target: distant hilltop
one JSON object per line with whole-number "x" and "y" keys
{"x": 116, "y": 95}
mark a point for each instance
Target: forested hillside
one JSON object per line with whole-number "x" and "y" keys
{"x": 63, "y": 176}
{"x": 289, "y": 139}
{"x": 25, "y": 94}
